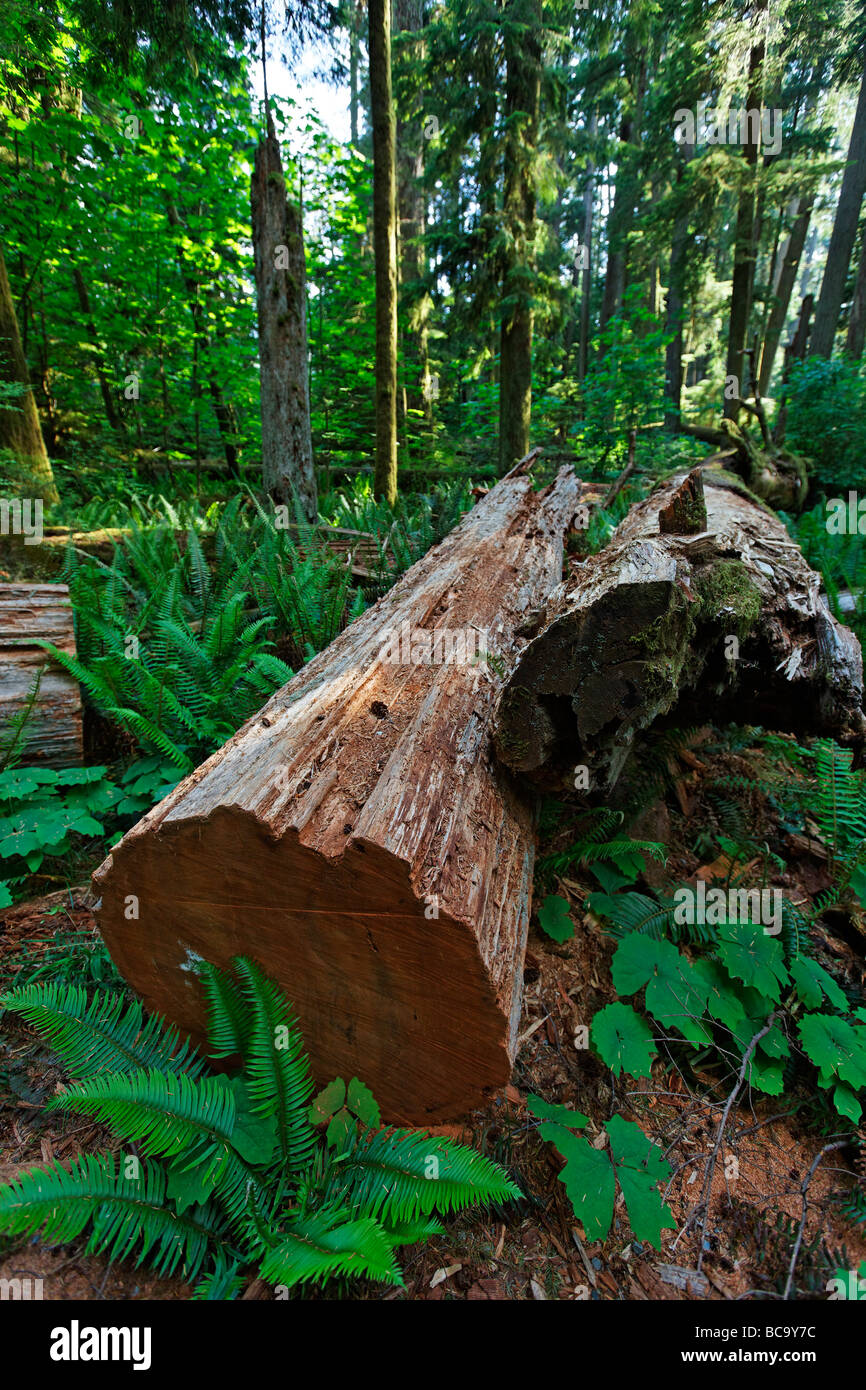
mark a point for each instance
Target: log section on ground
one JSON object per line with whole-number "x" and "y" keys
{"x": 29, "y": 614}
{"x": 728, "y": 623}
{"x": 357, "y": 837}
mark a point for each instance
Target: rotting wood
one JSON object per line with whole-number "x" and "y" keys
{"x": 30, "y": 613}
{"x": 732, "y": 620}
{"x": 358, "y": 838}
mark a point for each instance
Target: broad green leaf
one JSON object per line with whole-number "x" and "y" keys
{"x": 836, "y": 1048}
{"x": 748, "y": 954}
{"x": 188, "y": 1187}
{"x": 640, "y": 1167}
{"x": 254, "y": 1135}
{"x": 589, "y": 1180}
{"x": 723, "y": 1002}
{"x": 558, "y": 1114}
{"x": 361, "y": 1101}
{"x": 328, "y": 1101}
{"x": 638, "y": 959}
{"x": 847, "y": 1103}
{"x": 623, "y": 1040}
{"x": 813, "y": 983}
{"x": 554, "y": 919}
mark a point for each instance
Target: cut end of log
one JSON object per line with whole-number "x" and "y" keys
{"x": 357, "y": 838}
{"x": 381, "y": 990}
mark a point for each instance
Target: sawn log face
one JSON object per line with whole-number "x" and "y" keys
{"x": 358, "y": 839}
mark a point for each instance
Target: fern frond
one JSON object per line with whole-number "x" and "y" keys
{"x": 277, "y": 1066}
{"x": 228, "y": 1014}
{"x": 100, "y": 1036}
{"x": 398, "y": 1175}
{"x": 316, "y": 1248}
{"x": 126, "y": 1212}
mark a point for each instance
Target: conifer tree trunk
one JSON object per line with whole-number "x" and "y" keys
{"x": 586, "y": 273}
{"x": 385, "y": 248}
{"x": 408, "y": 18}
{"x": 278, "y": 243}
{"x": 789, "y": 262}
{"x": 108, "y": 401}
{"x": 522, "y": 95}
{"x": 20, "y": 430}
{"x": 222, "y": 407}
{"x": 617, "y": 226}
{"x": 843, "y": 236}
{"x": 857, "y": 320}
{"x": 675, "y": 309}
{"x": 744, "y": 237}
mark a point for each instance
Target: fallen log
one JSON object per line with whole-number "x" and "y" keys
{"x": 357, "y": 837}
{"x": 52, "y": 733}
{"x": 701, "y": 604}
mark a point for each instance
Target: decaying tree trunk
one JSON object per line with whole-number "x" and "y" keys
{"x": 278, "y": 242}
{"x": 687, "y": 612}
{"x": 357, "y": 837}
{"x": 767, "y": 469}
{"x": 32, "y": 613}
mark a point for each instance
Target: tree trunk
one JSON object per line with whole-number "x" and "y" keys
{"x": 789, "y": 262}
{"x": 857, "y": 319}
{"x": 695, "y": 606}
{"x": 19, "y": 423}
{"x": 357, "y": 838}
{"x": 51, "y": 735}
{"x": 278, "y": 246}
{"x": 354, "y": 67}
{"x": 108, "y": 401}
{"x": 522, "y": 96}
{"x": 618, "y": 223}
{"x": 675, "y": 307}
{"x": 586, "y": 274}
{"x": 843, "y": 236}
{"x": 385, "y": 247}
{"x": 412, "y": 207}
{"x": 222, "y": 408}
{"x": 742, "y": 284}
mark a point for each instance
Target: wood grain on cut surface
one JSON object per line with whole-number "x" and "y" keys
{"x": 358, "y": 839}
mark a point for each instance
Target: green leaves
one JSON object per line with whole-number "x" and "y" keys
{"x": 589, "y": 1180}
{"x": 639, "y": 1168}
{"x": 554, "y": 919}
{"x": 343, "y": 1110}
{"x": 838, "y": 1050}
{"x": 753, "y": 957}
{"x": 623, "y": 1040}
{"x": 316, "y": 1248}
{"x": 232, "y": 1176}
{"x": 813, "y": 984}
{"x": 590, "y": 1175}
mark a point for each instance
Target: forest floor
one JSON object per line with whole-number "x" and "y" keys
{"x": 535, "y": 1249}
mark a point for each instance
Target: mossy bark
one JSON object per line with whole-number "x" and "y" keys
{"x": 20, "y": 431}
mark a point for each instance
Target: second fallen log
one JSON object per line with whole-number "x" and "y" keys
{"x": 701, "y": 605}
{"x": 357, "y": 837}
